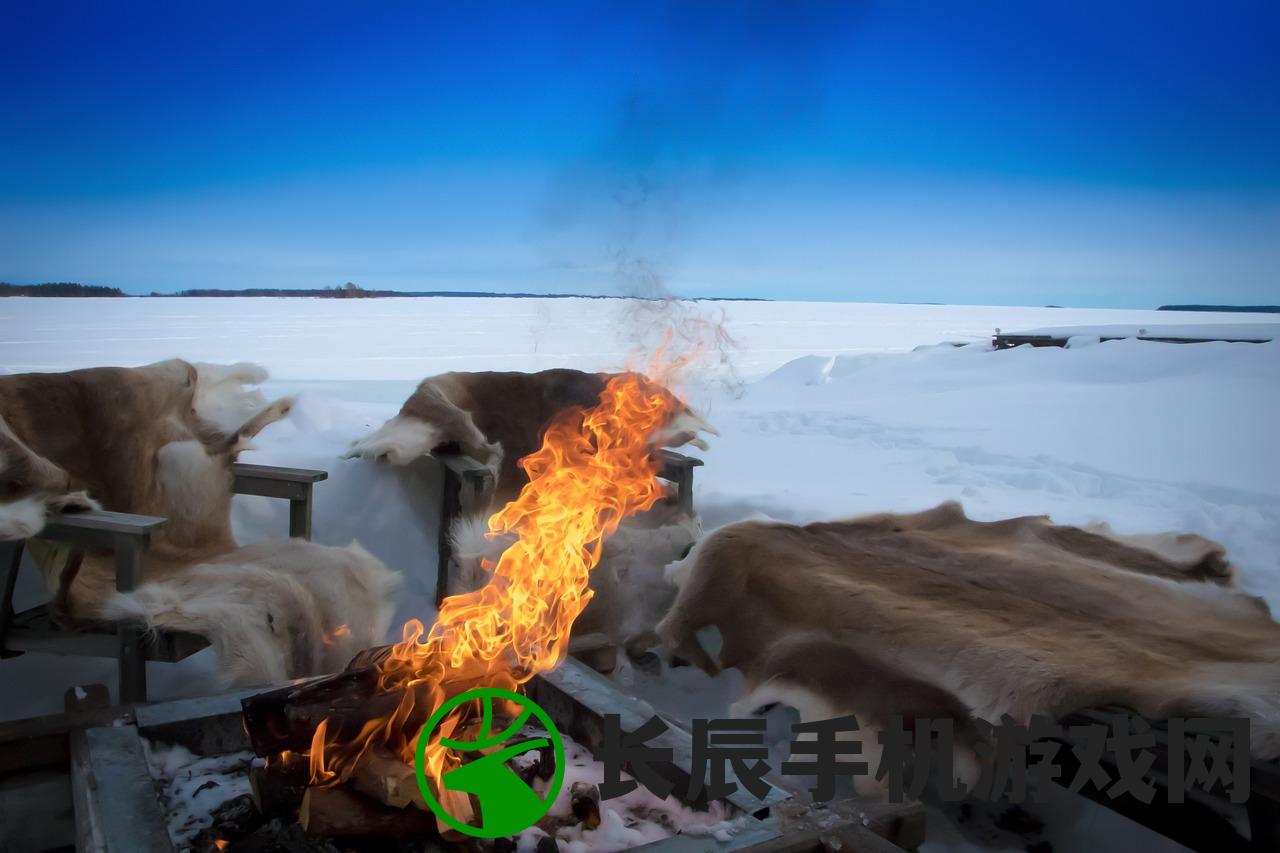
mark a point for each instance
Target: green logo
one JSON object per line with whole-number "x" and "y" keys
{"x": 507, "y": 805}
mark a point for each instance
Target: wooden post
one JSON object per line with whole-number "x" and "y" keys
{"x": 678, "y": 468}
{"x": 300, "y": 515}
{"x": 10, "y": 562}
{"x": 271, "y": 481}
{"x": 132, "y": 658}
{"x": 464, "y": 482}
{"x": 450, "y": 509}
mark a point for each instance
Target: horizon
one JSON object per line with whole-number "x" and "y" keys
{"x": 870, "y": 152}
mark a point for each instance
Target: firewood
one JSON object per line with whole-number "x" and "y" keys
{"x": 340, "y": 812}
{"x": 597, "y": 651}
{"x": 278, "y": 785}
{"x": 287, "y": 717}
{"x": 387, "y": 779}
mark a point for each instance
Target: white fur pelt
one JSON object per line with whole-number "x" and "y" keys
{"x": 273, "y": 611}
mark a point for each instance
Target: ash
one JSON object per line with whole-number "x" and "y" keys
{"x": 194, "y": 787}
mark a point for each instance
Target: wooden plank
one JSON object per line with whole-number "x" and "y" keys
{"x": 462, "y": 465}
{"x": 121, "y": 798}
{"x": 98, "y": 528}
{"x": 207, "y": 725}
{"x": 1008, "y": 341}
{"x": 88, "y": 833}
{"x": 42, "y": 741}
{"x": 34, "y": 631}
{"x": 35, "y": 810}
{"x": 278, "y": 473}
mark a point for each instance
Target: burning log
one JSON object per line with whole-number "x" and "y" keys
{"x": 278, "y": 785}
{"x": 287, "y": 718}
{"x": 387, "y": 779}
{"x": 341, "y": 813}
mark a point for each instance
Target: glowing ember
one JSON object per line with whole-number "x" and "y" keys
{"x": 594, "y": 469}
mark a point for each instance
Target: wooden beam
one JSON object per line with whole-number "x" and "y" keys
{"x": 121, "y": 803}
{"x": 99, "y": 528}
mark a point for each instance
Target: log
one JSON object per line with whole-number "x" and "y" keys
{"x": 287, "y": 717}
{"x": 278, "y": 786}
{"x": 342, "y": 813}
{"x": 385, "y": 778}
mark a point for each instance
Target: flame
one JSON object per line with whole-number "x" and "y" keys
{"x": 595, "y": 467}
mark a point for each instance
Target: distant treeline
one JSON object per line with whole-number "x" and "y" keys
{"x": 355, "y": 291}
{"x": 58, "y": 289}
{"x": 347, "y": 291}
{"x": 1242, "y": 309}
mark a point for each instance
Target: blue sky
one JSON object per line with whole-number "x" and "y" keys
{"x": 1111, "y": 154}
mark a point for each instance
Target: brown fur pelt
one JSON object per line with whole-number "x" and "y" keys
{"x": 498, "y": 419}
{"x": 1016, "y": 617}
{"x": 159, "y": 440}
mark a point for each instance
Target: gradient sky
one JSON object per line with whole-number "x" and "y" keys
{"x": 1086, "y": 153}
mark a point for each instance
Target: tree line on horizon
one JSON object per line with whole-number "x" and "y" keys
{"x": 349, "y": 290}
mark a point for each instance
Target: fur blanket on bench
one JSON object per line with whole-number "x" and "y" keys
{"x": 935, "y": 615}
{"x": 159, "y": 440}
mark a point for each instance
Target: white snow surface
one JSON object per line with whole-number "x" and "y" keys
{"x": 825, "y": 410}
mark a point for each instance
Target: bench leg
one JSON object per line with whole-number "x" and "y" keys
{"x": 300, "y": 516}
{"x": 10, "y": 562}
{"x": 450, "y": 509}
{"x": 132, "y": 655}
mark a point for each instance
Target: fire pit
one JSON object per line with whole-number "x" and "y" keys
{"x": 118, "y": 800}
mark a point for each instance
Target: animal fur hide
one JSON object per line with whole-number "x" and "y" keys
{"x": 159, "y": 440}
{"x": 934, "y": 614}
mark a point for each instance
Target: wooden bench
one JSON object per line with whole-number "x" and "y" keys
{"x": 128, "y": 537}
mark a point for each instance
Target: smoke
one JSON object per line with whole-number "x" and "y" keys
{"x": 728, "y": 89}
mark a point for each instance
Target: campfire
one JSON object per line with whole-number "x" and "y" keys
{"x": 345, "y": 744}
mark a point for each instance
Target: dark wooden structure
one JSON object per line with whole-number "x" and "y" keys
{"x": 127, "y": 537}
{"x": 1009, "y": 340}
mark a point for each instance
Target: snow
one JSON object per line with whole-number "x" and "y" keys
{"x": 192, "y": 787}
{"x": 824, "y": 410}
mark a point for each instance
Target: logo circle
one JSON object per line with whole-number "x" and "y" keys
{"x": 508, "y": 806}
